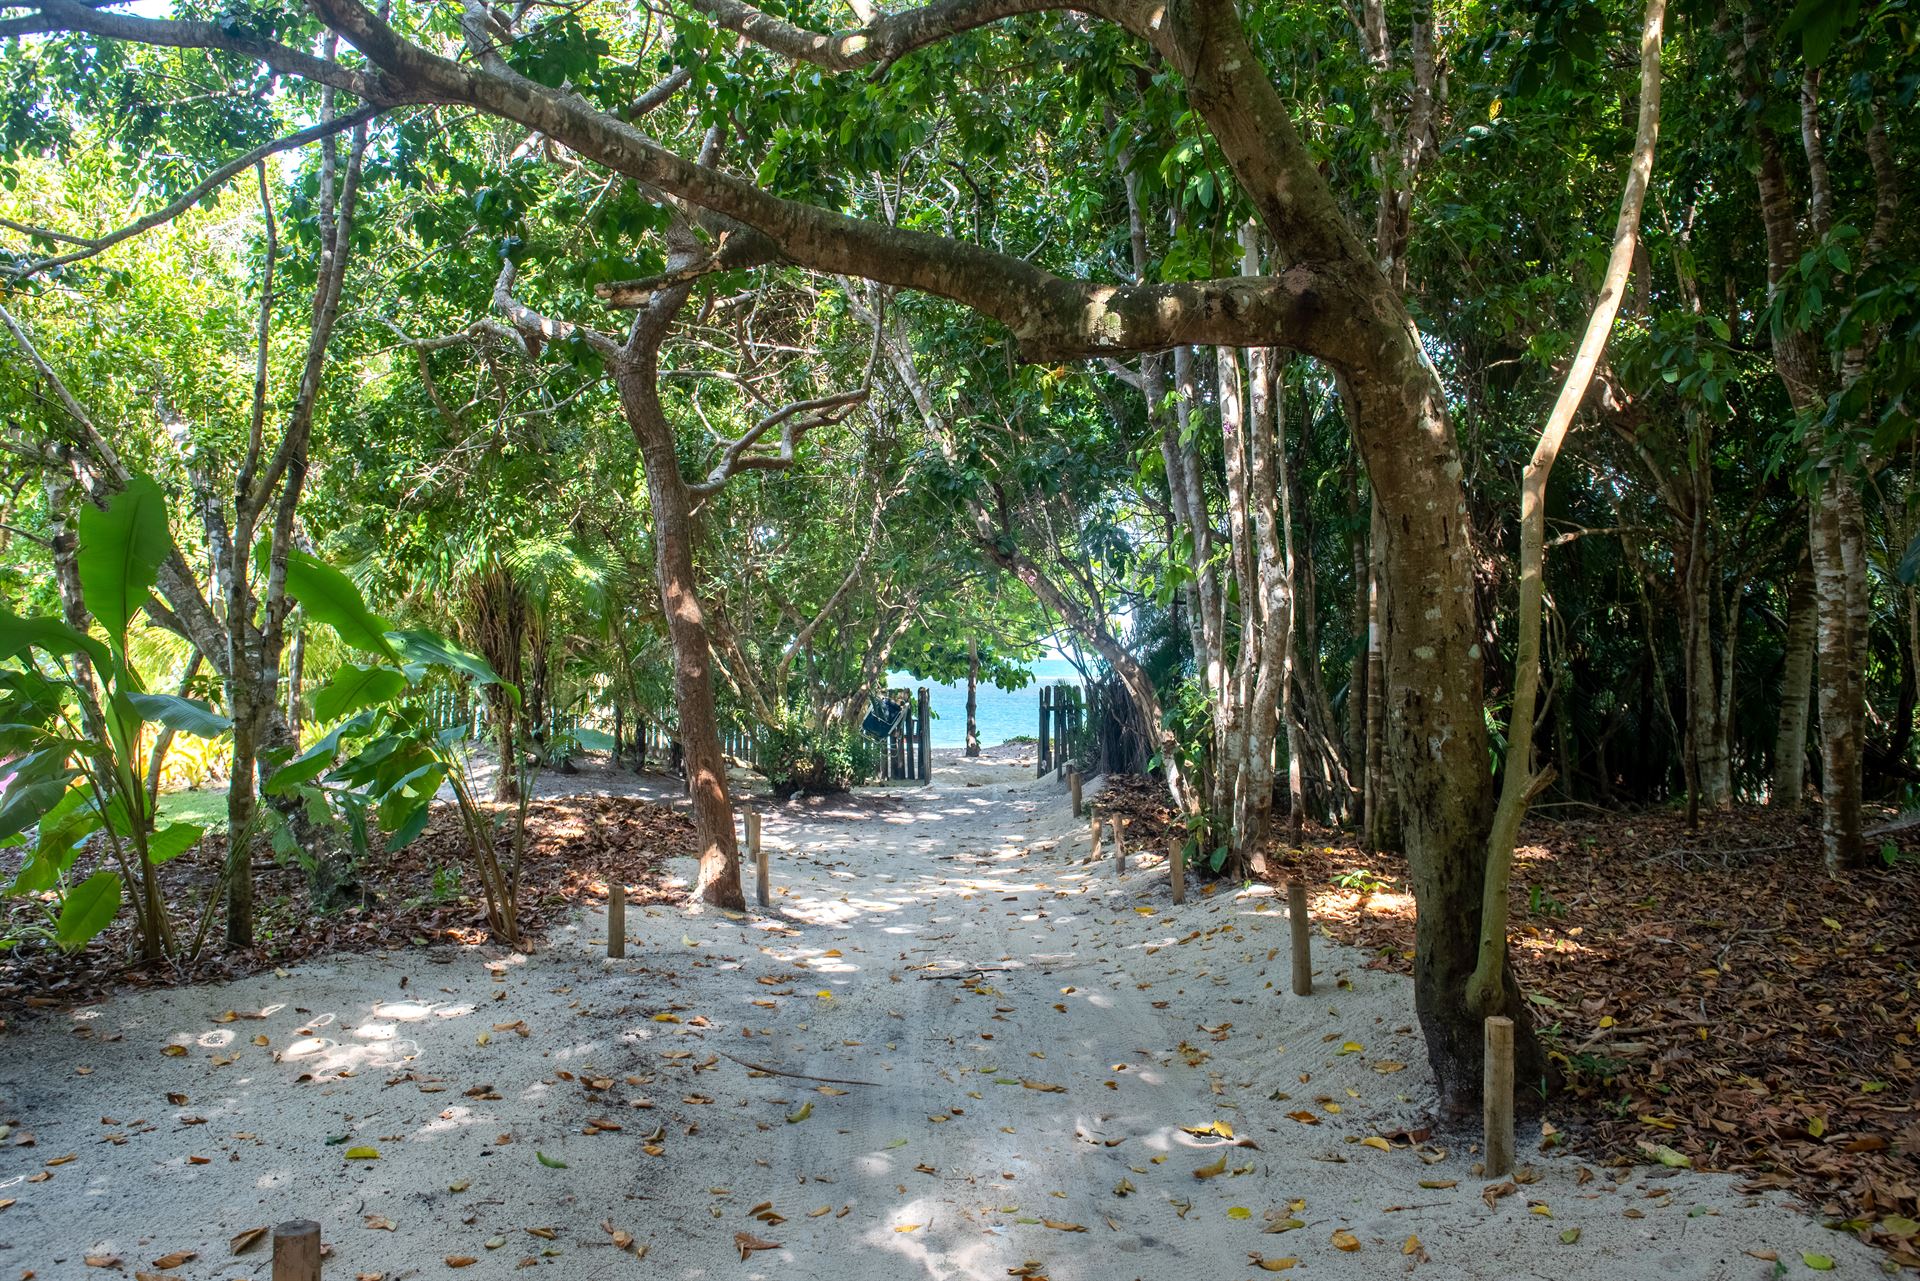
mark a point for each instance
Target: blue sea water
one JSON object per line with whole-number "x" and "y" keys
{"x": 1001, "y": 714}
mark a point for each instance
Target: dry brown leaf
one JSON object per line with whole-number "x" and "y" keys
{"x": 175, "y": 1259}
{"x": 747, "y": 1243}
{"x": 245, "y": 1241}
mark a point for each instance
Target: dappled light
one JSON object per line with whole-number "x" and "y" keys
{"x": 980, "y": 639}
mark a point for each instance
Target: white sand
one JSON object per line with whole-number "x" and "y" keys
{"x": 880, "y": 904}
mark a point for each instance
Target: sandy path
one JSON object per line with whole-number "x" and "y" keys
{"x": 1138, "y": 1017}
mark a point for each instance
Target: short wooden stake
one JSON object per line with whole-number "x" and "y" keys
{"x": 1098, "y": 829}
{"x": 1497, "y": 1094}
{"x": 1302, "y": 929}
{"x": 763, "y": 894}
{"x": 616, "y": 920}
{"x": 1177, "y": 868}
{"x": 296, "y": 1251}
{"x": 1119, "y": 847}
{"x": 1073, "y": 791}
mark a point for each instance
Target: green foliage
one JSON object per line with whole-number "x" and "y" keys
{"x": 799, "y": 759}
{"x": 83, "y": 773}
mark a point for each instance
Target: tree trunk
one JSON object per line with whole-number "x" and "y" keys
{"x": 1837, "y": 544}
{"x": 242, "y": 805}
{"x": 973, "y": 701}
{"x": 1358, "y": 690}
{"x": 699, "y": 735}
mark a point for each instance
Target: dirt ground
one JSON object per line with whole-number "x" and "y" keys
{"x": 953, "y": 1048}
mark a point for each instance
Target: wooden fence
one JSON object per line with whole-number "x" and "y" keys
{"x": 909, "y": 749}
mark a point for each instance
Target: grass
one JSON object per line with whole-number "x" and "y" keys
{"x": 205, "y": 808}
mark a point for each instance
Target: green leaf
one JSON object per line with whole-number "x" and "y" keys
{"x": 407, "y": 824}
{"x": 119, "y": 554}
{"x": 550, "y": 1162}
{"x": 329, "y": 596}
{"x": 187, "y": 715}
{"x": 171, "y": 841}
{"x": 418, "y": 645}
{"x": 354, "y": 687}
{"x": 313, "y": 762}
{"x": 89, "y": 909}
{"x": 25, "y": 806}
{"x": 49, "y": 634}
{"x": 1818, "y": 1262}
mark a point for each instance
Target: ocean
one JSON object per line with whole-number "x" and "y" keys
{"x": 1001, "y": 714}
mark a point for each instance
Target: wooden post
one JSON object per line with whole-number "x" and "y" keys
{"x": 1177, "y": 867}
{"x": 1302, "y": 938}
{"x": 764, "y": 893}
{"x": 1119, "y": 847}
{"x": 296, "y": 1251}
{"x": 1497, "y": 1095}
{"x": 1073, "y": 791}
{"x": 1046, "y": 712}
{"x": 926, "y": 738}
{"x": 1094, "y": 857}
{"x": 616, "y": 920}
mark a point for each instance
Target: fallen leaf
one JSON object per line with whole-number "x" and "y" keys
{"x": 549, "y": 1162}
{"x": 1209, "y": 1171}
{"x": 1345, "y": 1240}
{"x": 806, "y": 1110}
{"x": 461, "y": 1260}
{"x": 747, "y": 1243}
{"x": 245, "y": 1241}
{"x": 363, "y": 1154}
{"x": 1271, "y": 1265}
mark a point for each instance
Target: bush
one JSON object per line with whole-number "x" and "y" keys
{"x": 801, "y": 760}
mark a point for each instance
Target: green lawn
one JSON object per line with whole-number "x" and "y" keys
{"x": 205, "y": 807}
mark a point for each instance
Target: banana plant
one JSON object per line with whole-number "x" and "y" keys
{"x": 76, "y": 716}
{"x": 382, "y": 766}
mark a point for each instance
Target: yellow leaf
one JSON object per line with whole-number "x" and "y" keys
{"x": 1058, "y": 1226}
{"x": 1816, "y": 1126}
{"x": 1219, "y": 1129}
{"x": 1412, "y": 1246}
{"x": 666, "y": 1018}
{"x": 806, "y": 1110}
{"x": 1540, "y": 1208}
{"x": 174, "y": 1051}
{"x": 1351, "y": 1047}
{"x": 1375, "y": 1141}
{"x": 1239, "y": 1212}
{"x": 1606, "y": 1020}
{"x": 1345, "y": 1240}
{"x": 1271, "y": 1265}
{"x": 363, "y": 1154}
{"x": 1209, "y": 1171}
